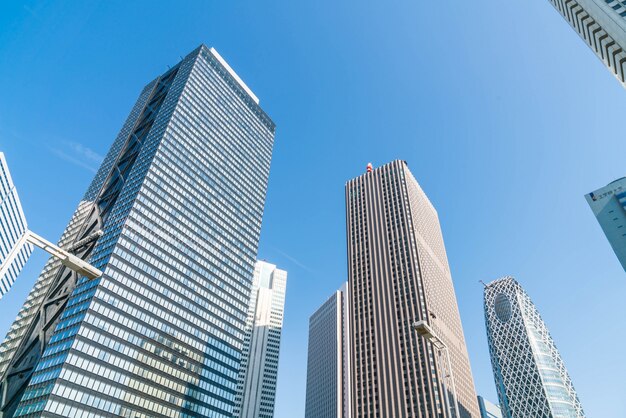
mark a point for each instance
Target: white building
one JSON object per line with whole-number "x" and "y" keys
{"x": 602, "y": 26}
{"x": 488, "y": 409}
{"x": 530, "y": 376}
{"x": 12, "y": 228}
{"x": 256, "y": 390}
{"x": 609, "y": 207}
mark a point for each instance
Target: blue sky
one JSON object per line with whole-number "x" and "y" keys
{"x": 504, "y": 116}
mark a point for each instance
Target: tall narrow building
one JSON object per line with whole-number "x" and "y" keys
{"x": 398, "y": 274}
{"x": 530, "y": 376}
{"x": 602, "y": 26}
{"x": 328, "y": 363}
{"x": 609, "y": 207}
{"x": 256, "y": 391}
{"x": 179, "y": 198}
{"x": 12, "y": 228}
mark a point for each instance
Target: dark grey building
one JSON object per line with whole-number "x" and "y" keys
{"x": 180, "y": 198}
{"x": 398, "y": 273}
{"x": 328, "y": 364}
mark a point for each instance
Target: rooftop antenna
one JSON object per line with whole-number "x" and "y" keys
{"x": 370, "y": 167}
{"x": 483, "y": 283}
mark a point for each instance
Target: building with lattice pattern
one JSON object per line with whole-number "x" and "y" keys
{"x": 398, "y": 273}
{"x": 529, "y": 373}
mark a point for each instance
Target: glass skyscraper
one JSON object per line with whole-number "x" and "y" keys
{"x": 328, "y": 363}
{"x": 530, "y": 376}
{"x": 609, "y": 207}
{"x": 398, "y": 274}
{"x": 256, "y": 391}
{"x": 602, "y": 26}
{"x": 12, "y": 228}
{"x": 179, "y": 199}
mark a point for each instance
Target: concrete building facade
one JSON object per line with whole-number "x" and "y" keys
{"x": 601, "y": 24}
{"x": 398, "y": 273}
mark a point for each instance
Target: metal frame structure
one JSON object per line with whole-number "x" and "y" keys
{"x": 424, "y": 330}
{"x": 68, "y": 260}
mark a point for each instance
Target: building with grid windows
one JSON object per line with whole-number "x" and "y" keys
{"x": 12, "y": 228}
{"x": 609, "y": 207}
{"x": 602, "y": 26}
{"x": 328, "y": 364}
{"x": 398, "y": 274}
{"x": 179, "y": 200}
{"x": 258, "y": 376}
{"x": 530, "y": 376}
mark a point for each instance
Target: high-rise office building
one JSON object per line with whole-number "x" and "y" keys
{"x": 328, "y": 363}
{"x": 179, "y": 198}
{"x": 602, "y": 26}
{"x": 12, "y": 228}
{"x": 488, "y": 409}
{"x": 398, "y": 274}
{"x": 609, "y": 207}
{"x": 256, "y": 390}
{"x": 530, "y": 376}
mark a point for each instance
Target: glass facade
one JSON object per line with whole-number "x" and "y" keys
{"x": 180, "y": 200}
{"x": 326, "y": 367}
{"x": 530, "y": 376}
{"x": 609, "y": 207}
{"x": 12, "y": 227}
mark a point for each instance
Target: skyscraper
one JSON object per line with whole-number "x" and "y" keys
{"x": 179, "y": 198}
{"x": 398, "y": 273}
{"x": 12, "y": 228}
{"x": 609, "y": 207}
{"x": 530, "y": 376}
{"x": 256, "y": 390}
{"x": 328, "y": 364}
{"x": 487, "y": 409}
{"x": 602, "y": 25}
